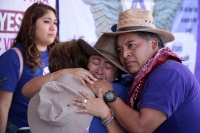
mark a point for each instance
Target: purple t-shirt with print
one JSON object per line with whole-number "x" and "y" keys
{"x": 173, "y": 89}
{"x": 9, "y": 68}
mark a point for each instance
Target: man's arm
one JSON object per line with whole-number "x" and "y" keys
{"x": 146, "y": 120}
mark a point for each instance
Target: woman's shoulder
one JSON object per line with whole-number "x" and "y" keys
{"x": 10, "y": 57}
{"x": 10, "y": 53}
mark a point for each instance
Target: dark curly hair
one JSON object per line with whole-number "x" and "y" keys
{"x": 67, "y": 54}
{"x": 26, "y": 34}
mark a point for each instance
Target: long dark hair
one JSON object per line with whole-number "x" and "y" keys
{"x": 26, "y": 34}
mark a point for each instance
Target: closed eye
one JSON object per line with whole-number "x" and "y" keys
{"x": 108, "y": 67}
{"x": 46, "y": 21}
{"x": 95, "y": 63}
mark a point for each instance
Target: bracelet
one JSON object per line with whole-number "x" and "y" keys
{"x": 107, "y": 122}
{"x": 52, "y": 76}
{"x": 110, "y": 113}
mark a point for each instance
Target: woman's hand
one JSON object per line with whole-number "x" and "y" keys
{"x": 94, "y": 106}
{"x": 83, "y": 75}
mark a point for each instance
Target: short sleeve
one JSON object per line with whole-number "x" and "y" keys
{"x": 9, "y": 68}
{"x": 164, "y": 90}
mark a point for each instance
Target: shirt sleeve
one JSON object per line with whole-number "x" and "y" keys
{"x": 164, "y": 90}
{"x": 9, "y": 68}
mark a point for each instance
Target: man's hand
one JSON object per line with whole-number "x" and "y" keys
{"x": 104, "y": 84}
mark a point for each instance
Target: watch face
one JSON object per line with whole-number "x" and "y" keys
{"x": 110, "y": 96}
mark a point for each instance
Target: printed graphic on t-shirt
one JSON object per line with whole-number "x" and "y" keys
{"x": 40, "y": 71}
{"x": 45, "y": 70}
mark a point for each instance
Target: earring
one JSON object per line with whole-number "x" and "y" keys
{"x": 116, "y": 79}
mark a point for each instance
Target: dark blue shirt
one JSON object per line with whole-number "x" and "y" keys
{"x": 9, "y": 68}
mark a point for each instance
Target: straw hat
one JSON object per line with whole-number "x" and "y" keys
{"x": 51, "y": 110}
{"x": 136, "y": 19}
{"x": 105, "y": 47}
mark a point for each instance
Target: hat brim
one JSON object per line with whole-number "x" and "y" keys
{"x": 79, "y": 122}
{"x": 164, "y": 35}
{"x": 37, "y": 125}
{"x": 92, "y": 51}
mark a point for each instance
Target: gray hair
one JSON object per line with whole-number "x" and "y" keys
{"x": 149, "y": 35}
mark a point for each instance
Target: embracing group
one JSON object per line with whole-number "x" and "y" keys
{"x": 84, "y": 94}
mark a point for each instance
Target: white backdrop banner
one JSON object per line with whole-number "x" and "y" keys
{"x": 11, "y": 14}
{"x": 88, "y": 18}
{"x": 184, "y": 28}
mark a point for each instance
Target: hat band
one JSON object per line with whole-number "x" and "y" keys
{"x": 133, "y": 28}
{"x": 105, "y": 52}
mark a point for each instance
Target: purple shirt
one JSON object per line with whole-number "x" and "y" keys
{"x": 173, "y": 89}
{"x": 9, "y": 68}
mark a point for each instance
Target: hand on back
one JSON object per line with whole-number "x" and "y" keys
{"x": 83, "y": 75}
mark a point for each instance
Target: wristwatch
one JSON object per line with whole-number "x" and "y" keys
{"x": 110, "y": 96}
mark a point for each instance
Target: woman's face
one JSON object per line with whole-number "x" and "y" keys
{"x": 102, "y": 68}
{"x": 46, "y": 30}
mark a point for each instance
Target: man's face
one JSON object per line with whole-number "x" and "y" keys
{"x": 135, "y": 51}
{"x": 102, "y": 68}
